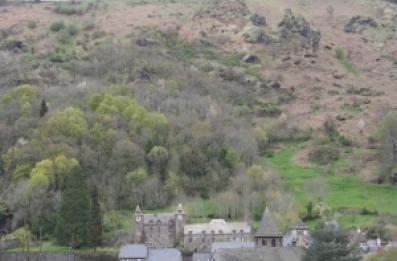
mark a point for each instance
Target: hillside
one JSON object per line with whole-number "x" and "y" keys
{"x": 223, "y": 105}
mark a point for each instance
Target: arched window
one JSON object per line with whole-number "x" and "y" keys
{"x": 273, "y": 242}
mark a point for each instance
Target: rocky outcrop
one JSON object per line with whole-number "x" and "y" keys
{"x": 296, "y": 26}
{"x": 250, "y": 58}
{"x": 258, "y": 20}
{"x": 359, "y": 23}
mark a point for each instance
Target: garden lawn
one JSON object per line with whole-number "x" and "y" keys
{"x": 344, "y": 191}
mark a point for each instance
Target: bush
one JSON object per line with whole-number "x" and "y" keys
{"x": 343, "y": 140}
{"x": 71, "y": 9}
{"x": 32, "y": 24}
{"x": 56, "y": 58}
{"x": 324, "y": 154}
{"x": 57, "y": 26}
{"x": 72, "y": 30}
{"x": 88, "y": 25}
{"x": 340, "y": 55}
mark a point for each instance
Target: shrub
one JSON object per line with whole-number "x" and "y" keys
{"x": 32, "y": 24}
{"x": 324, "y": 154}
{"x": 57, "y": 26}
{"x": 72, "y": 30}
{"x": 88, "y": 25}
{"x": 340, "y": 55}
{"x": 56, "y": 58}
{"x": 343, "y": 140}
{"x": 71, "y": 9}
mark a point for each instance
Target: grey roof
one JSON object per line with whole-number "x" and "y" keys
{"x": 268, "y": 226}
{"x": 201, "y": 257}
{"x": 133, "y": 251}
{"x": 231, "y": 245}
{"x": 391, "y": 244}
{"x": 163, "y": 218}
{"x": 217, "y": 226}
{"x": 300, "y": 226}
{"x": 260, "y": 254}
{"x": 165, "y": 254}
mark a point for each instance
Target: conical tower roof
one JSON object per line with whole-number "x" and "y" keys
{"x": 268, "y": 226}
{"x": 138, "y": 210}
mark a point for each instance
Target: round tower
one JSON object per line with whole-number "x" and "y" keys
{"x": 179, "y": 223}
{"x": 139, "y": 223}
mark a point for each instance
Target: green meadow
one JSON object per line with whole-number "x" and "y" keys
{"x": 344, "y": 191}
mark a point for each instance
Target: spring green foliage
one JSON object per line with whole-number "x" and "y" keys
{"x": 68, "y": 123}
{"x": 51, "y": 172}
{"x": 24, "y": 95}
{"x": 137, "y": 117}
{"x": 23, "y": 235}
{"x": 330, "y": 244}
{"x": 74, "y": 214}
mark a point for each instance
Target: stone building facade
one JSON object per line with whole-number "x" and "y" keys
{"x": 199, "y": 237}
{"x": 159, "y": 230}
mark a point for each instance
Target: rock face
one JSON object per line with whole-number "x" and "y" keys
{"x": 258, "y": 20}
{"x": 225, "y": 11}
{"x": 250, "y": 58}
{"x": 359, "y": 23}
{"x": 296, "y": 25}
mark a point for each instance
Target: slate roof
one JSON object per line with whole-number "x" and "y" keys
{"x": 133, "y": 251}
{"x": 260, "y": 254}
{"x": 231, "y": 245}
{"x": 218, "y": 226}
{"x": 164, "y": 218}
{"x": 201, "y": 257}
{"x": 268, "y": 226}
{"x": 300, "y": 226}
{"x": 165, "y": 254}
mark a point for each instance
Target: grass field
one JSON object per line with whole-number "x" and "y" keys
{"x": 344, "y": 191}
{"x": 50, "y": 247}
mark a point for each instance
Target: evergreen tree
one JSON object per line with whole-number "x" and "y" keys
{"x": 74, "y": 214}
{"x": 330, "y": 243}
{"x": 43, "y": 108}
{"x": 95, "y": 229}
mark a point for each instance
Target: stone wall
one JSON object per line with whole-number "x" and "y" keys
{"x": 58, "y": 257}
{"x": 159, "y": 236}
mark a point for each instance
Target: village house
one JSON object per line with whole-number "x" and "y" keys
{"x": 159, "y": 230}
{"x": 199, "y": 237}
{"x": 268, "y": 235}
{"x": 140, "y": 252}
{"x": 299, "y": 236}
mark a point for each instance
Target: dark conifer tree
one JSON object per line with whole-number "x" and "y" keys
{"x": 95, "y": 229}
{"x": 74, "y": 214}
{"x": 43, "y": 108}
{"x": 331, "y": 243}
